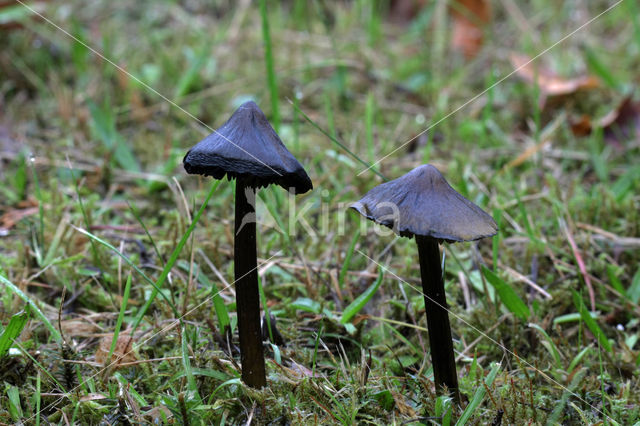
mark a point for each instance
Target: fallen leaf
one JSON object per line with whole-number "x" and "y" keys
{"x": 123, "y": 352}
{"x": 550, "y": 83}
{"x": 581, "y": 126}
{"x": 470, "y": 17}
{"x": 620, "y": 124}
{"x": 402, "y": 405}
{"x": 79, "y": 327}
{"x": 10, "y": 218}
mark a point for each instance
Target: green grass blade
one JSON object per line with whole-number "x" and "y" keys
{"x": 218, "y": 305}
{"x": 497, "y": 215}
{"x": 551, "y": 346}
{"x": 15, "y": 290}
{"x": 40, "y": 206}
{"x": 347, "y": 259}
{"x": 478, "y": 396}
{"x": 218, "y": 302}
{"x": 38, "y": 397}
{"x": 557, "y": 413}
{"x": 591, "y": 323}
{"x": 186, "y": 364}
{"x": 507, "y": 295}
{"x": 625, "y": 183}
{"x": 633, "y": 12}
{"x": 104, "y": 124}
{"x": 131, "y": 389}
{"x": 130, "y": 263}
{"x": 369, "y": 114}
{"x": 599, "y": 68}
{"x": 573, "y": 317}
{"x": 39, "y": 365}
{"x": 296, "y": 125}
{"x": 444, "y": 409}
{"x": 414, "y": 349}
{"x": 133, "y": 209}
{"x": 274, "y": 211}
{"x": 221, "y": 312}
{"x": 123, "y": 308}
{"x": 15, "y": 408}
{"x": 13, "y": 330}
{"x": 263, "y": 300}
{"x": 340, "y": 144}
{"x": 271, "y": 72}
{"x": 315, "y": 350}
{"x": 203, "y": 372}
{"x": 85, "y": 218}
{"x": 14, "y": 13}
{"x": 328, "y": 112}
{"x": 359, "y": 302}
{"x": 174, "y": 257}
{"x": 190, "y": 76}
{"x": 634, "y": 289}
{"x": 306, "y": 304}
{"x": 576, "y": 360}
{"x": 615, "y": 281}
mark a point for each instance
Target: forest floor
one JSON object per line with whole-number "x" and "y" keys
{"x": 116, "y": 285}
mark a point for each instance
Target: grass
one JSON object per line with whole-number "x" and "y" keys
{"x": 81, "y": 143}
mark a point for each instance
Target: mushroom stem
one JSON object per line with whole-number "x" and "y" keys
{"x": 246, "y": 283}
{"x": 435, "y": 302}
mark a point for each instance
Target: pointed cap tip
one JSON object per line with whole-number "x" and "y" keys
{"x": 247, "y": 147}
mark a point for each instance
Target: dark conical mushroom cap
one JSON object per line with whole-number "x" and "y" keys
{"x": 246, "y": 146}
{"x": 426, "y": 205}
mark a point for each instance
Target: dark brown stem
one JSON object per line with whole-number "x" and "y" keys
{"x": 435, "y": 302}
{"x": 247, "y": 294}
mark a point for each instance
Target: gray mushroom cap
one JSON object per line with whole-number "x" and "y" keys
{"x": 247, "y": 147}
{"x": 423, "y": 203}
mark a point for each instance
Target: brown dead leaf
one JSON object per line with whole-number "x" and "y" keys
{"x": 10, "y": 218}
{"x": 470, "y": 17}
{"x": 620, "y": 124}
{"x": 79, "y": 327}
{"x": 123, "y": 352}
{"x": 550, "y": 83}
{"x": 581, "y": 126}
{"x": 402, "y": 405}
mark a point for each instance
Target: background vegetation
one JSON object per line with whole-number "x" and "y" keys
{"x": 95, "y": 212}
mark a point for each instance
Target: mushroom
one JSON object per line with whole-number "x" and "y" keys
{"x": 422, "y": 204}
{"x": 248, "y": 149}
